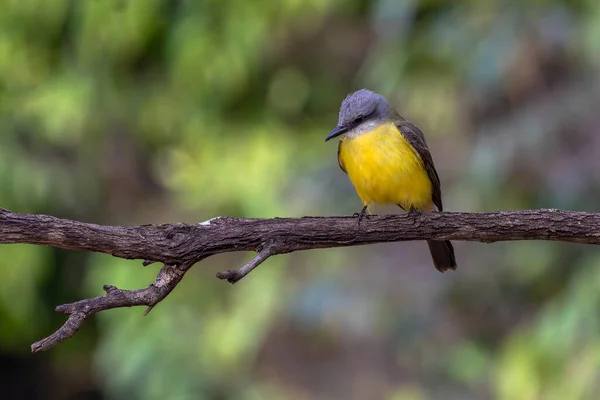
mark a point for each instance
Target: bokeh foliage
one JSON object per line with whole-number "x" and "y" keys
{"x": 142, "y": 111}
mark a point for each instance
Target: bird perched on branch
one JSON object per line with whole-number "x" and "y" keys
{"x": 387, "y": 159}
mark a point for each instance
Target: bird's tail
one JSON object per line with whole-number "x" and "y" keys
{"x": 442, "y": 254}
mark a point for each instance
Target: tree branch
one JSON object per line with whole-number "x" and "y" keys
{"x": 180, "y": 246}
{"x": 233, "y": 276}
{"x": 167, "y": 279}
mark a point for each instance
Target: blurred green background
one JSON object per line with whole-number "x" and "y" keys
{"x": 147, "y": 111}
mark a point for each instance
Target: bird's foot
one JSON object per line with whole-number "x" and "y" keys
{"x": 414, "y": 214}
{"x": 362, "y": 214}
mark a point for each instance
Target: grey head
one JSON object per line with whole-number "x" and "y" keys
{"x": 360, "y": 112}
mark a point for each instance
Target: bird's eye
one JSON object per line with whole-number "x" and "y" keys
{"x": 359, "y": 118}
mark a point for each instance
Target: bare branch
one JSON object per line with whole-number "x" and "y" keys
{"x": 180, "y": 246}
{"x": 167, "y": 279}
{"x": 234, "y": 276}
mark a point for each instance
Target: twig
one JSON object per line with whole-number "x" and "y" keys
{"x": 180, "y": 246}
{"x": 234, "y": 276}
{"x": 167, "y": 279}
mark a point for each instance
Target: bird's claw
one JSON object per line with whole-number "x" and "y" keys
{"x": 414, "y": 214}
{"x": 362, "y": 214}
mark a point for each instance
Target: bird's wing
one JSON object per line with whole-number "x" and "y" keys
{"x": 338, "y": 157}
{"x": 416, "y": 138}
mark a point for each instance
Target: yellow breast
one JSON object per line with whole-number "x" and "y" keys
{"x": 385, "y": 169}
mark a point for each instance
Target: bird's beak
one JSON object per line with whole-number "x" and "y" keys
{"x": 337, "y": 131}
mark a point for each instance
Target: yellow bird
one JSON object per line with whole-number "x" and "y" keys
{"x": 387, "y": 159}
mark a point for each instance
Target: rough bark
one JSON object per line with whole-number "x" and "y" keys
{"x": 179, "y": 246}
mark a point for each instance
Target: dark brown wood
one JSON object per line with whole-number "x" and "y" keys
{"x": 179, "y": 246}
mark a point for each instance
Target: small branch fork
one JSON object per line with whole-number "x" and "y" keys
{"x": 168, "y": 277}
{"x": 233, "y": 276}
{"x": 179, "y": 246}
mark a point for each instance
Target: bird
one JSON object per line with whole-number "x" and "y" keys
{"x": 388, "y": 162}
